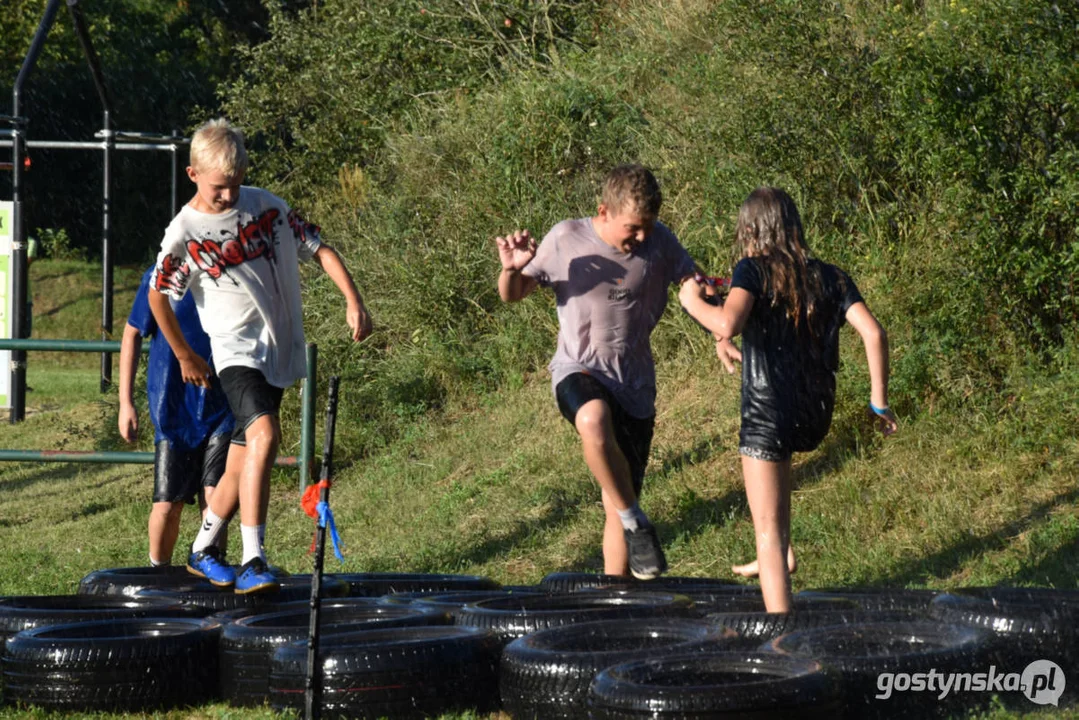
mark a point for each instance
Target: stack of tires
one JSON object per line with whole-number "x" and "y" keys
{"x": 576, "y": 645}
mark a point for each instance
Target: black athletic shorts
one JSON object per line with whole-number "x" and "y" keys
{"x": 634, "y": 435}
{"x": 180, "y": 475}
{"x": 250, "y": 397}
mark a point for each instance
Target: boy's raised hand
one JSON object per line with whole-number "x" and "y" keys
{"x": 516, "y": 250}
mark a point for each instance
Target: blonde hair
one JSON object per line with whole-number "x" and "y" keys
{"x": 632, "y": 187}
{"x": 217, "y": 145}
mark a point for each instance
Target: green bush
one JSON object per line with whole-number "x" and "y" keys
{"x": 931, "y": 148}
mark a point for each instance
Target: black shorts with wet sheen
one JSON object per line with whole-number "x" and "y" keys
{"x": 634, "y": 435}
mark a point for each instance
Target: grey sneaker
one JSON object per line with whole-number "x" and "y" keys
{"x": 646, "y": 558}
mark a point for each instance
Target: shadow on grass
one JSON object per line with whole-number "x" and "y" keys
{"x": 87, "y": 297}
{"x": 678, "y": 461}
{"x": 696, "y": 515}
{"x": 59, "y": 473}
{"x": 45, "y": 472}
{"x": 1059, "y": 568}
{"x": 563, "y": 506}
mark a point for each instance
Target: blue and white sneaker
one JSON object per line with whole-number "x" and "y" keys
{"x": 255, "y": 577}
{"x": 208, "y": 563}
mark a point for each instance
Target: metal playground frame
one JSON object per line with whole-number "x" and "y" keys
{"x": 107, "y": 140}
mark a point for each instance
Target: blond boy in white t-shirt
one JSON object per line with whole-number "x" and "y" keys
{"x": 237, "y": 250}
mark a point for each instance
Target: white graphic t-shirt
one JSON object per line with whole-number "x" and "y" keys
{"x": 242, "y": 267}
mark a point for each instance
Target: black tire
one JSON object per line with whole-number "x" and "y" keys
{"x": 877, "y": 599}
{"x": 451, "y": 600}
{"x": 130, "y": 581}
{"x": 1024, "y": 627}
{"x": 376, "y": 584}
{"x": 300, "y": 585}
{"x": 861, "y": 653}
{"x": 214, "y": 599}
{"x": 400, "y": 673}
{"x": 512, "y": 617}
{"x": 563, "y": 582}
{"x": 718, "y": 601}
{"x": 115, "y": 665}
{"x": 756, "y": 628}
{"x": 294, "y": 588}
{"x": 696, "y": 686}
{"x": 1051, "y": 598}
{"x": 547, "y": 674}
{"x": 24, "y": 612}
{"x": 454, "y": 603}
{"x": 229, "y": 616}
{"x": 567, "y": 582}
{"x": 247, "y": 644}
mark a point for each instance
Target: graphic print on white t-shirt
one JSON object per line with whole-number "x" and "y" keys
{"x": 242, "y": 267}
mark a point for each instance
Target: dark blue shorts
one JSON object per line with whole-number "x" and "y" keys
{"x": 180, "y": 475}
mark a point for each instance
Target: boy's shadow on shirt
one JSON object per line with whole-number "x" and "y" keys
{"x": 586, "y": 272}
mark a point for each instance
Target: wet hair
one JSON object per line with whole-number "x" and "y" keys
{"x": 634, "y": 188}
{"x": 217, "y": 145}
{"x": 770, "y": 232}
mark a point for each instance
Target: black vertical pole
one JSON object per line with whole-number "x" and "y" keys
{"x": 175, "y": 172}
{"x": 106, "y": 254}
{"x": 313, "y": 687}
{"x": 109, "y": 141}
{"x": 18, "y": 357}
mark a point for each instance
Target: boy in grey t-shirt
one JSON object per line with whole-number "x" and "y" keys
{"x": 610, "y": 275}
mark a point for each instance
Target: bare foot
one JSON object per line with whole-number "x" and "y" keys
{"x": 751, "y": 570}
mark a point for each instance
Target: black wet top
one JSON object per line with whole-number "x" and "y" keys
{"x": 788, "y": 374}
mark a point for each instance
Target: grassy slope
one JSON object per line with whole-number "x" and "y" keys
{"x": 495, "y": 485}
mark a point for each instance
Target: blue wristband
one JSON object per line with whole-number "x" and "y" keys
{"x": 877, "y": 410}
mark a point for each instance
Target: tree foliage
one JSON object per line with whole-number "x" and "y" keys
{"x": 161, "y": 61}
{"x": 336, "y": 78}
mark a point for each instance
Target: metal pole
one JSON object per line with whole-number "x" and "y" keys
{"x": 18, "y": 326}
{"x": 313, "y": 689}
{"x": 106, "y": 254}
{"x": 109, "y": 140}
{"x": 64, "y": 345}
{"x": 87, "y": 144}
{"x": 175, "y": 171}
{"x": 106, "y": 456}
{"x": 307, "y": 417}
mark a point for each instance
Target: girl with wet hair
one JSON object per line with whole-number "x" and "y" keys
{"x": 788, "y": 307}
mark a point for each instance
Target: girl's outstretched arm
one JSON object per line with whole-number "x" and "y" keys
{"x": 876, "y": 351}
{"x": 724, "y": 321}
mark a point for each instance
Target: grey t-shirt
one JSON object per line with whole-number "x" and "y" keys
{"x": 608, "y": 304}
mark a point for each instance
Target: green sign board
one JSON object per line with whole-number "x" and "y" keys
{"x": 7, "y": 304}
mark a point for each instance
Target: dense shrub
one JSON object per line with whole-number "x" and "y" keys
{"x": 931, "y": 147}
{"x": 336, "y": 78}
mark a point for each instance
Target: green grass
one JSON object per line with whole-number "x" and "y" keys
{"x": 494, "y": 485}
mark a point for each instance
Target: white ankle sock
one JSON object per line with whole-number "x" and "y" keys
{"x": 157, "y": 563}
{"x": 211, "y": 526}
{"x": 632, "y": 517}
{"x": 252, "y": 535}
